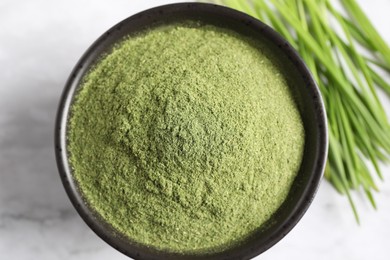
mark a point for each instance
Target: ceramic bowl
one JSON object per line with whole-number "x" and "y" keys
{"x": 308, "y": 99}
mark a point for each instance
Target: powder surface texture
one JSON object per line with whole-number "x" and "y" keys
{"x": 186, "y": 138}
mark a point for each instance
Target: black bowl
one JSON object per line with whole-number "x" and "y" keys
{"x": 308, "y": 99}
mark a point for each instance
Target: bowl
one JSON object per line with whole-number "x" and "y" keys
{"x": 309, "y": 102}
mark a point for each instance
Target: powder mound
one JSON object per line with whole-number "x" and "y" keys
{"x": 186, "y": 138}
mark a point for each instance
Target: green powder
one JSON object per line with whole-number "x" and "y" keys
{"x": 186, "y": 138}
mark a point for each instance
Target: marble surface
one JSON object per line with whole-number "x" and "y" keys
{"x": 40, "y": 41}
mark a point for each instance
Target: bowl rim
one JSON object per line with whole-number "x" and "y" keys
{"x": 60, "y": 138}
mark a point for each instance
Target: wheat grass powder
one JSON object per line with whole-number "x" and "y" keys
{"x": 186, "y": 137}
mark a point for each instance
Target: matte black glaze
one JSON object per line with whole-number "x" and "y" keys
{"x": 310, "y": 105}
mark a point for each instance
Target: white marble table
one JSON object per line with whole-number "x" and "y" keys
{"x": 40, "y": 41}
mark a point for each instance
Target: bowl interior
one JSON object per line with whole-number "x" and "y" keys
{"x": 307, "y": 97}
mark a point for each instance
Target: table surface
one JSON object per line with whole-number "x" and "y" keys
{"x": 40, "y": 41}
